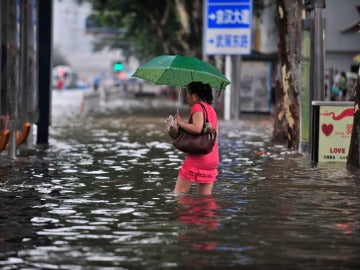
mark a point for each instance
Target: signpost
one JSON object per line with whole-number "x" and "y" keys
{"x": 227, "y": 31}
{"x": 227, "y": 27}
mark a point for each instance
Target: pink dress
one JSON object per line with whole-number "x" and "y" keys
{"x": 202, "y": 168}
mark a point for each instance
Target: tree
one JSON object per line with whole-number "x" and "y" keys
{"x": 289, "y": 52}
{"x": 152, "y": 27}
{"x": 354, "y": 149}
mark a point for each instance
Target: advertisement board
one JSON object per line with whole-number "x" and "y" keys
{"x": 335, "y": 127}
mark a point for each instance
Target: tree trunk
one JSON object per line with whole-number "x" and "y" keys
{"x": 354, "y": 150}
{"x": 190, "y": 16}
{"x": 289, "y": 50}
{"x": 280, "y": 130}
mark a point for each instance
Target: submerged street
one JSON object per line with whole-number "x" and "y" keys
{"x": 100, "y": 197}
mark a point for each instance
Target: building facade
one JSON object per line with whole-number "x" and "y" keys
{"x": 72, "y": 40}
{"x": 342, "y": 40}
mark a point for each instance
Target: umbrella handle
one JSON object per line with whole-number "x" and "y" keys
{"x": 178, "y": 102}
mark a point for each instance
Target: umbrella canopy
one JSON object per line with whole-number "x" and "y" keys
{"x": 177, "y": 70}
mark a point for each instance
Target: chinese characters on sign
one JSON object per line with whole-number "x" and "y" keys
{"x": 221, "y": 15}
{"x": 228, "y": 27}
{"x": 230, "y": 41}
{"x": 335, "y": 132}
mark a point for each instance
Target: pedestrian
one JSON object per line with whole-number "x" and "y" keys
{"x": 198, "y": 168}
{"x": 343, "y": 85}
{"x": 96, "y": 86}
{"x": 335, "y": 91}
{"x": 60, "y": 83}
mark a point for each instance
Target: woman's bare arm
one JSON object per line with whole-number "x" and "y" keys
{"x": 197, "y": 123}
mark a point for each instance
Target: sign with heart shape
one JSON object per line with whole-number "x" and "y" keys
{"x": 335, "y": 127}
{"x": 327, "y": 129}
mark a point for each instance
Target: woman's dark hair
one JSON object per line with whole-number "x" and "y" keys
{"x": 202, "y": 90}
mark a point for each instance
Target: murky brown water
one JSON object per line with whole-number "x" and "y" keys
{"x": 99, "y": 197}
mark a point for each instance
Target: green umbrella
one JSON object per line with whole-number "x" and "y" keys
{"x": 177, "y": 70}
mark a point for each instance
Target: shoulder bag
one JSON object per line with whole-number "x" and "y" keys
{"x": 202, "y": 143}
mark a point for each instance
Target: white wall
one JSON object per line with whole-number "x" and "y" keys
{"x": 341, "y": 47}
{"x": 268, "y": 27}
{"x": 69, "y": 35}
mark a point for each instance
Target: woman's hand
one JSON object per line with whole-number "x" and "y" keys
{"x": 179, "y": 120}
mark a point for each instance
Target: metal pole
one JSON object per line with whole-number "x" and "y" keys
{"x": 31, "y": 94}
{"x": 236, "y": 86}
{"x": 2, "y": 57}
{"x": 12, "y": 73}
{"x": 317, "y": 91}
{"x": 24, "y": 56}
{"x": 45, "y": 64}
{"x": 318, "y": 37}
{"x": 227, "y": 93}
{"x": 1, "y": 50}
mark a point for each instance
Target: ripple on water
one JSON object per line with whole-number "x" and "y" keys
{"x": 103, "y": 200}
{"x": 113, "y": 212}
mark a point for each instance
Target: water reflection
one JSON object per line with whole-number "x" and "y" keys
{"x": 199, "y": 213}
{"x": 99, "y": 197}
{"x": 18, "y": 205}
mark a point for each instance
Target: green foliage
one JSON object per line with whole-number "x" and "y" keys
{"x": 153, "y": 27}
{"x": 357, "y": 58}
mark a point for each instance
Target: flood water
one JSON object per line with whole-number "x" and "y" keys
{"x": 99, "y": 197}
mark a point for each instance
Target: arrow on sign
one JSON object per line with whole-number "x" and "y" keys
{"x": 212, "y": 16}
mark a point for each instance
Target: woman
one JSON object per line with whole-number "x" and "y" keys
{"x": 197, "y": 168}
